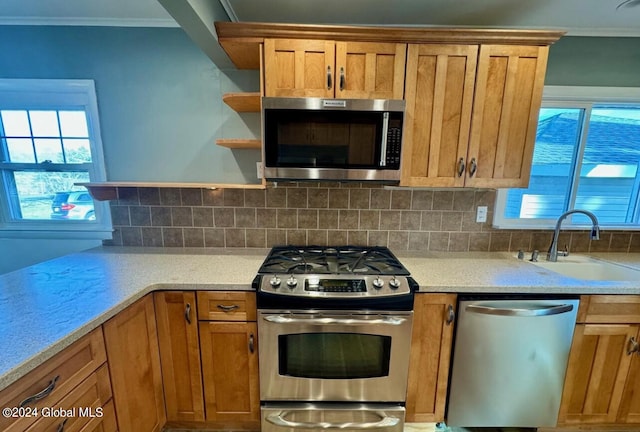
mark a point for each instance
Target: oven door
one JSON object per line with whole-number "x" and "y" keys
{"x": 290, "y": 417}
{"x": 334, "y": 355}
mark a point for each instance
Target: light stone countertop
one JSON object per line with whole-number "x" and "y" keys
{"x": 46, "y": 307}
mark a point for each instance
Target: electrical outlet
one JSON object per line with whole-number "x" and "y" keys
{"x": 259, "y": 170}
{"x": 481, "y": 214}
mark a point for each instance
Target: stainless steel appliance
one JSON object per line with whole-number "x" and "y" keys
{"x": 332, "y": 139}
{"x": 334, "y": 325}
{"x": 509, "y": 361}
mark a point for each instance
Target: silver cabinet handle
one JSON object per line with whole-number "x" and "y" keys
{"x": 42, "y": 394}
{"x": 473, "y": 167}
{"x": 384, "y": 422}
{"x": 451, "y": 315}
{"x": 62, "y": 425}
{"x": 187, "y": 313}
{"x": 252, "y": 347}
{"x": 279, "y": 319}
{"x": 342, "y": 79}
{"x": 539, "y": 310}
{"x": 460, "y": 167}
{"x": 228, "y": 308}
{"x": 329, "y": 80}
{"x": 633, "y": 346}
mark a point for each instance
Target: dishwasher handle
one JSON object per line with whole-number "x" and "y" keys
{"x": 534, "y": 311}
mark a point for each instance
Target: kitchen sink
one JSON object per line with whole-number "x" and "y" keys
{"x": 589, "y": 268}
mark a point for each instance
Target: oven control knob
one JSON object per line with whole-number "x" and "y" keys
{"x": 394, "y": 283}
{"x": 378, "y": 283}
{"x": 292, "y": 282}
{"x": 275, "y": 281}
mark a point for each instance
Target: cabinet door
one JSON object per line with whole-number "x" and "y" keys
{"x": 230, "y": 370}
{"x": 180, "y": 354}
{"x": 439, "y": 97}
{"x": 134, "y": 364}
{"x": 299, "y": 68}
{"x": 596, "y": 374}
{"x": 366, "y": 70}
{"x": 630, "y": 406}
{"x": 506, "y": 104}
{"x": 431, "y": 344}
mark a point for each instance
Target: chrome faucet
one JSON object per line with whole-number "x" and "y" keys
{"x": 552, "y": 255}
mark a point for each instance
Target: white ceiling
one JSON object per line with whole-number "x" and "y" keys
{"x": 579, "y": 17}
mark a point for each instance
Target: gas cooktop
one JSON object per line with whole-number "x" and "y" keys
{"x": 344, "y": 260}
{"x": 333, "y": 276}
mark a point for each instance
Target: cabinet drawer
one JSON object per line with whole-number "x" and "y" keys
{"x": 226, "y": 306}
{"x": 53, "y": 379}
{"x": 107, "y": 423}
{"x": 76, "y": 409}
{"x": 611, "y": 309}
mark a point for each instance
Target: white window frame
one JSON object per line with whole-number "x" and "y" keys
{"x": 30, "y": 94}
{"x": 570, "y": 97}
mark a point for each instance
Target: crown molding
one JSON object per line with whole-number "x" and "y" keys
{"x": 90, "y": 22}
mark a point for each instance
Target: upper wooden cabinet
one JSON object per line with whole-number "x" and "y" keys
{"x": 472, "y": 114}
{"x": 439, "y": 98}
{"x": 507, "y": 99}
{"x": 323, "y": 68}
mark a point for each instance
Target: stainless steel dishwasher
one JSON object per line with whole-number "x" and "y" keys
{"x": 509, "y": 361}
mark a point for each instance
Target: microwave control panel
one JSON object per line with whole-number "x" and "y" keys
{"x": 394, "y": 138}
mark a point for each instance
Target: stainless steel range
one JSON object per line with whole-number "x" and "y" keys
{"x": 334, "y": 325}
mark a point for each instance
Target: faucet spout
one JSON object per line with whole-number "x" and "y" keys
{"x": 552, "y": 254}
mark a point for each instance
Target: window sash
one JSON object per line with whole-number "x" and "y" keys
{"x": 58, "y": 95}
{"x": 584, "y": 98}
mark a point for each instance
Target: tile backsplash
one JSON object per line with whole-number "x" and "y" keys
{"x": 331, "y": 214}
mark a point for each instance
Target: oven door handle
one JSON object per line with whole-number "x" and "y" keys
{"x": 388, "y": 320}
{"x": 384, "y": 422}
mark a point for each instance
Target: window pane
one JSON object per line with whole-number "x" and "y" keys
{"x": 553, "y": 158}
{"x": 77, "y": 150}
{"x": 15, "y": 123}
{"x": 49, "y": 149}
{"x": 52, "y": 196}
{"x": 609, "y": 176}
{"x": 73, "y": 124}
{"x": 20, "y": 150}
{"x": 44, "y": 123}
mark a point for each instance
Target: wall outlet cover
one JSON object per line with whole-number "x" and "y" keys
{"x": 481, "y": 214}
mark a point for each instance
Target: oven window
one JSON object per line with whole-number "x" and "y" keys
{"x": 334, "y": 355}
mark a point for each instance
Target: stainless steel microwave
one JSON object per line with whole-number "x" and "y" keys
{"x": 332, "y": 139}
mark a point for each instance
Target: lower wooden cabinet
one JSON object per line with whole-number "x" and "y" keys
{"x": 74, "y": 378}
{"x": 134, "y": 363}
{"x": 602, "y": 384}
{"x": 230, "y": 370}
{"x": 176, "y": 315}
{"x": 431, "y": 345}
{"x": 229, "y": 356}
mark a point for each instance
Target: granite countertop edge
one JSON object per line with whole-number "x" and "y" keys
{"x": 108, "y": 279}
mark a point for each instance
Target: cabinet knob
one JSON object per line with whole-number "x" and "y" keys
{"x": 460, "y": 167}
{"x": 451, "y": 315}
{"x": 473, "y": 167}
{"x": 633, "y": 346}
{"x": 187, "y": 313}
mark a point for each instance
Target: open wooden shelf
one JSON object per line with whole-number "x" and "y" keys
{"x": 105, "y": 191}
{"x": 242, "y": 102}
{"x": 240, "y": 143}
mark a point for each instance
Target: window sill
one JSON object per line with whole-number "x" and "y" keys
{"x": 95, "y": 234}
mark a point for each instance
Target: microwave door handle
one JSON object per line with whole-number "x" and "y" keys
{"x": 280, "y": 319}
{"x": 385, "y": 137}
